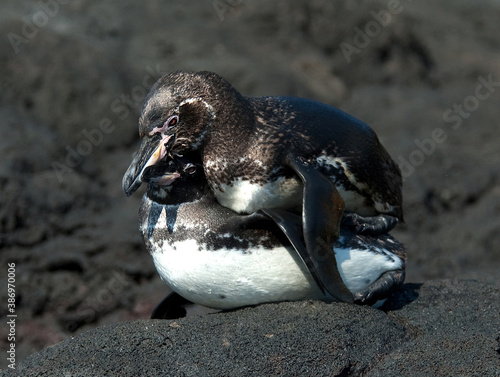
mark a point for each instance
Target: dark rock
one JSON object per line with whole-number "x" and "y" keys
{"x": 94, "y": 60}
{"x": 67, "y": 260}
{"x": 440, "y": 328}
{"x": 70, "y": 91}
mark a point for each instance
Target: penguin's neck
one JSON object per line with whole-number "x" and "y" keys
{"x": 233, "y": 124}
{"x": 173, "y": 196}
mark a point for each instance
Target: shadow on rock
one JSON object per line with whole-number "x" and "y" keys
{"x": 406, "y": 295}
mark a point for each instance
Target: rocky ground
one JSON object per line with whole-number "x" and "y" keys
{"x": 439, "y": 328}
{"x": 425, "y": 75}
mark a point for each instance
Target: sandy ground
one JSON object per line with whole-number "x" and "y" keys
{"x": 425, "y": 75}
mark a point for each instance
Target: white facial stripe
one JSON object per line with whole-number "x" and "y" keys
{"x": 195, "y": 99}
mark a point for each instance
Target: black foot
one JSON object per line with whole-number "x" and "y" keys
{"x": 171, "y": 307}
{"x": 371, "y": 225}
{"x": 380, "y": 288}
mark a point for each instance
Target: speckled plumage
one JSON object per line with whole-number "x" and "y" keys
{"x": 215, "y": 257}
{"x": 265, "y": 153}
{"x": 247, "y": 138}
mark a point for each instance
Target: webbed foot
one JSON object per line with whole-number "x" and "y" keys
{"x": 369, "y": 225}
{"x": 380, "y": 288}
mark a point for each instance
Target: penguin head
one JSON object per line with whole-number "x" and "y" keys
{"x": 175, "y": 181}
{"x": 176, "y": 118}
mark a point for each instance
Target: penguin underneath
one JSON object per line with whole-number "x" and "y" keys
{"x": 268, "y": 153}
{"x": 213, "y": 256}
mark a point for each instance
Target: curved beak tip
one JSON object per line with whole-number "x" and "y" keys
{"x": 150, "y": 152}
{"x": 130, "y": 184}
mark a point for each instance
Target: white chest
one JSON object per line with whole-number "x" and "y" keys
{"x": 243, "y": 196}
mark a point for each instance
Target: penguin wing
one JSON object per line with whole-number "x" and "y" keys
{"x": 322, "y": 208}
{"x": 291, "y": 225}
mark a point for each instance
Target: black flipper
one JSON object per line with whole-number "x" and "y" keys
{"x": 380, "y": 288}
{"x": 257, "y": 219}
{"x": 171, "y": 307}
{"x": 322, "y": 209}
{"x": 371, "y": 225}
{"x": 291, "y": 225}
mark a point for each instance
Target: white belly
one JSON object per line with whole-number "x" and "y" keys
{"x": 245, "y": 197}
{"x": 225, "y": 279}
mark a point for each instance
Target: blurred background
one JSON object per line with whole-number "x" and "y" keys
{"x": 425, "y": 75}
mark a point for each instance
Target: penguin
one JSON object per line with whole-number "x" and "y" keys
{"x": 269, "y": 153}
{"x": 211, "y": 255}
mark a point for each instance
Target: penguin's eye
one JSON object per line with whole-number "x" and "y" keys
{"x": 169, "y": 123}
{"x": 172, "y": 121}
{"x": 190, "y": 169}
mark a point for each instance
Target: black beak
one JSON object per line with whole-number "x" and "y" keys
{"x": 151, "y": 151}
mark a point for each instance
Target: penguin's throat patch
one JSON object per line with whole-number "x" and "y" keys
{"x": 160, "y": 174}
